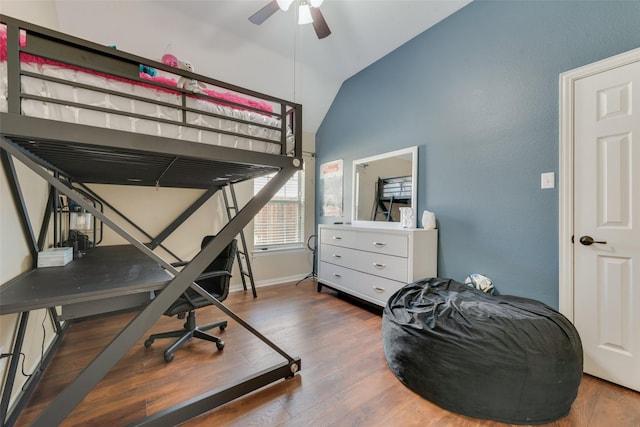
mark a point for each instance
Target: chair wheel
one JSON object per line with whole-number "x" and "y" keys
{"x": 220, "y": 345}
{"x": 223, "y": 327}
{"x": 148, "y": 343}
{"x": 168, "y": 357}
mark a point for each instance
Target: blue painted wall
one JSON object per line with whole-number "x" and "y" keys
{"x": 478, "y": 94}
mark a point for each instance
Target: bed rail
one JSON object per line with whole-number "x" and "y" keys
{"x": 246, "y": 117}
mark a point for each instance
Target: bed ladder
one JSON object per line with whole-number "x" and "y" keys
{"x": 382, "y": 209}
{"x": 379, "y": 207}
{"x": 243, "y": 257}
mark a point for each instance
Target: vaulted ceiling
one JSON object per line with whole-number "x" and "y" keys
{"x": 278, "y": 57}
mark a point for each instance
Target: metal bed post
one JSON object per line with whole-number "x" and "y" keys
{"x": 7, "y": 419}
{"x": 12, "y": 178}
{"x": 13, "y": 67}
{"x": 13, "y": 366}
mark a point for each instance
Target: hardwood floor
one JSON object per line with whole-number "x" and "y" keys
{"x": 344, "y": 379}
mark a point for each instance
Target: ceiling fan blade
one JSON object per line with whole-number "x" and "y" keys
{"x": 260, "y": 16}
{"x": 319, "y": 24}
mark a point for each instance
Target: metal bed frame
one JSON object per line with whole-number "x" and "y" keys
{"x": 68, "y": 156}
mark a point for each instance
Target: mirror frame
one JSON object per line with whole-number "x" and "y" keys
{"x": 413, "y": 152}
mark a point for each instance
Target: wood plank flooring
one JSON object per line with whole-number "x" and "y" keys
{"x": 344, "y": 379}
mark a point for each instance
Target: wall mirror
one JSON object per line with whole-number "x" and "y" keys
{"x": 382, "y": 185}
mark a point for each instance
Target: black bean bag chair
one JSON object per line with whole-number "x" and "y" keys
{"x": 503, "y": 358}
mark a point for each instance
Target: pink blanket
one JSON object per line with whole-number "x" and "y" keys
{"x": 220, "y": 96}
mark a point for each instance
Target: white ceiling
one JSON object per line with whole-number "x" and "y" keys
{"x": 218, "y": 38}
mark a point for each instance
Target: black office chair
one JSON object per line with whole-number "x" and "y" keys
{"x": 215, "y": 280}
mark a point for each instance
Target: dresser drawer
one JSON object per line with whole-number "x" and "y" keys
{"x": 390, "y": 267}
{"x": 370, "y": 241}
{"x": 371, "y": 288}
{"x": 383, "y": 243}
{"x": 338, "y": 237}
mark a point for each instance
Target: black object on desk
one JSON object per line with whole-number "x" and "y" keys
{"x": 107, "y": 278}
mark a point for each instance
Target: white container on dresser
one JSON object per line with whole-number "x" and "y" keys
{"x": 372, "y": 263}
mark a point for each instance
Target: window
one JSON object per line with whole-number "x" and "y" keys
{"x": 280, "y": 223}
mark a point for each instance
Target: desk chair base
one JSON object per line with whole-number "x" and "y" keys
{"x": 190, "y": 330}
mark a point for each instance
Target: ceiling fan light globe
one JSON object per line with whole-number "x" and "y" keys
{"x": 304, "y": 14}
{"x": 316, "y": 3}
{"x": 284, "y": 4}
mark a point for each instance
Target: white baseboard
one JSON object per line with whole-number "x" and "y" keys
{"x": 263, "y": 283}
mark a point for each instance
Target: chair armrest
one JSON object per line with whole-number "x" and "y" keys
{"x": 212, "y": 274}
{"x": 180, "y": 263}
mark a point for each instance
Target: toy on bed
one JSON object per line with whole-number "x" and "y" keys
{"x": 144, "y": 69}
{"x": 150, "y": 71}
{"x": 183, "y": 82}
{"x": 170, "y": 60}
{"x": 186, "y": 83}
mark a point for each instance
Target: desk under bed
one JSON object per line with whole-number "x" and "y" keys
{"x": 134, "y": 130}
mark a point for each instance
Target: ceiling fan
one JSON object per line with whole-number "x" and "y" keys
{"x": 308, "y": 13}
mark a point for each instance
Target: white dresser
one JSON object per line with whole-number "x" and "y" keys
{"x": 372, "y": 263}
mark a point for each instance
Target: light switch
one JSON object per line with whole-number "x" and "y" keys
{"x": 548, "y": 180}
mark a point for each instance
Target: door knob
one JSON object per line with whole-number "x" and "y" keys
{"x": 588, "y": 241}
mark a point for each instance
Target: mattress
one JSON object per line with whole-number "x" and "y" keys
{"x": 141, "y": 107}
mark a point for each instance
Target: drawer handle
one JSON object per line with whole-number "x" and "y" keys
{"x": 379, "y": 244}
{"x": 337, "y": 238}
{"x": 378, "y": 289}
{"x": 337, "y": 256}
{"x": 377, "y": 265}
{"x": 337, "y": 275}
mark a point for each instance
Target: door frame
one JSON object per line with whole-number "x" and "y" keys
{"x": 565, "y": 173}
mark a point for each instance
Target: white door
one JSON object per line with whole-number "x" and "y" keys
{"x": 607, "y": 223}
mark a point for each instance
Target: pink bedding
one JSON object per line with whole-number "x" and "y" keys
{"x": 168, "y": 81}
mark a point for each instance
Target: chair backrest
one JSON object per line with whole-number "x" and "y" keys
{"x": 219, "y": 286}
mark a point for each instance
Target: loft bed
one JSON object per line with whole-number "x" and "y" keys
{"x": 390, "y": 192}
{"x": 78, "y": 113}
